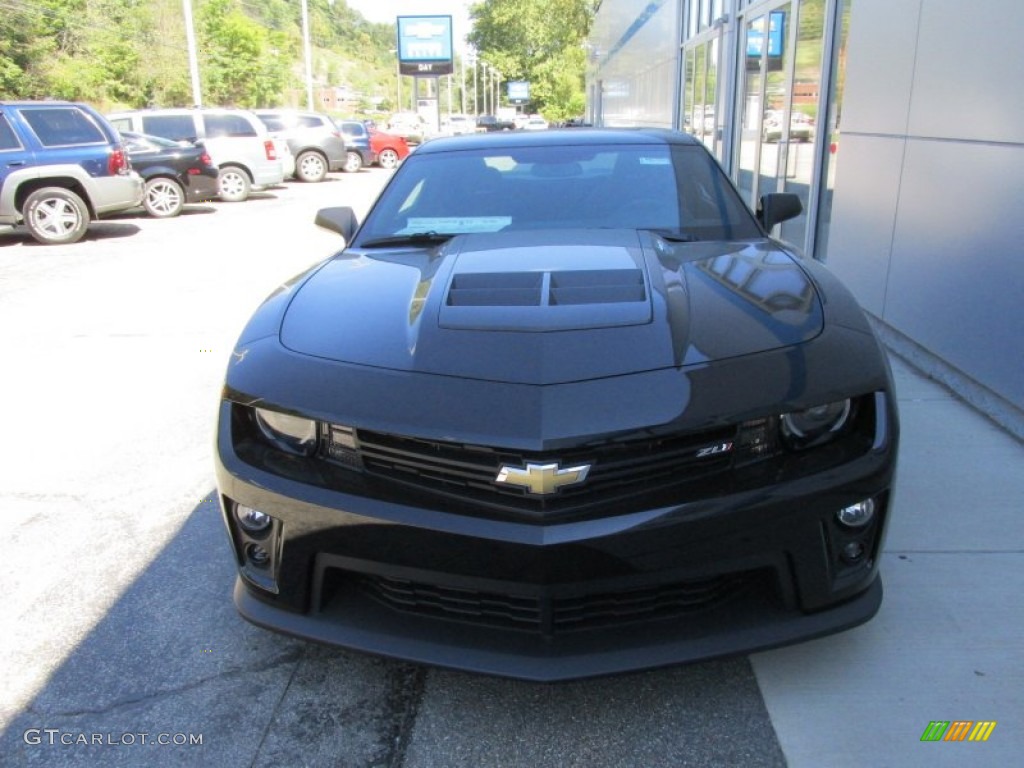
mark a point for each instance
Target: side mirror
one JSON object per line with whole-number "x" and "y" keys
{"x": 778, "y": 207}
{"x": 341, "y": 220}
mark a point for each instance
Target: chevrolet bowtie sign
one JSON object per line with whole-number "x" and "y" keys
{"x": 425, "y": 45}
{"x": 542, "y": 479}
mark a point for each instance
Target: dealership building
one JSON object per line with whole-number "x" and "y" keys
{"x": 899, "y": 124}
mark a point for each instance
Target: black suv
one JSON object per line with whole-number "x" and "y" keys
{"x": 62, "y": 165}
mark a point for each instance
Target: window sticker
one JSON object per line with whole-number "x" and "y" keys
{"x": 659, "y": 160}
{"x": 456, "y": 224}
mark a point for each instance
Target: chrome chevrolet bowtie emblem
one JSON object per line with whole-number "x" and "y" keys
{"x": 542, "y": 479}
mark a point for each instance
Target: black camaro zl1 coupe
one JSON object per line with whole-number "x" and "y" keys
{"x": 561, "y": 407}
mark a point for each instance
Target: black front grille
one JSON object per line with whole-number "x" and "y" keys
{"x": 547, "y": 612}
{"x": 617, "y": 468}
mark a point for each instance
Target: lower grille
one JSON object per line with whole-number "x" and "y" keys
{"x": 549, "y": 613}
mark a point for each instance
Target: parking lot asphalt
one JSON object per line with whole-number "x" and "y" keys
{"x": 122, "y": 647}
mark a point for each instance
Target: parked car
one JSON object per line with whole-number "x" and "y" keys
{"x": 535, "y": 123}
{"x": 239, "y": 144}
{"x": 314, "y": 140}
{"x": 357, "y": 143}
{"x": 409, "y": 125}
{"x": 175, "y": 173}
{"x": 561, "y": 407}
{"x": 801, "y": 127}
{"x": 62, "y": 165}
{"x": 388, "y": 148}
{"x": 456, "y": 125}
{"x": 490, "y": 124}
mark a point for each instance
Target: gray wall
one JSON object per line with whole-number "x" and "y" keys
{"x": 927, "y": 225}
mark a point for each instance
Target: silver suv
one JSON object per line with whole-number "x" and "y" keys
{"x": 248, "y": 157}
{"x": 61, "y": 166}
{"x": 313, "y": 139}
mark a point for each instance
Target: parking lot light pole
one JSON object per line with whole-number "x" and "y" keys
{"x": 308, "y": 55}
{"x": 193, "y": 61}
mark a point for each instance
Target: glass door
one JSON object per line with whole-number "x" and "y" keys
{"x": 703, "y": 107}
{"x": 778, "y": 144}
{"x": 765, "y": 73}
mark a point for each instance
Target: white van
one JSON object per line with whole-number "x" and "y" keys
{"x": 237, "y": 141}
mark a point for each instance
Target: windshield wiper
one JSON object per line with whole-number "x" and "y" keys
{"x": 413, "y": 238}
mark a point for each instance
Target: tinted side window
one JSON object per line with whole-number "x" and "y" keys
{"x": 308, "y": 121}
{"x": 227, "y": 125}
{"x": 273, "y": 123}
{"x": 176, "y": 127}
{"x": 8, "y": 140}
{"x": 63, "y": 126}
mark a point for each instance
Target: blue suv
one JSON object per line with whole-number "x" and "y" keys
{"x": 62, "y": 165}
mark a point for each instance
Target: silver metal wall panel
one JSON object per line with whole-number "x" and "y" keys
{"x": 969, "y": 75}
{"x": 880, "y": 66}
{"x": 864, "y": 214}
{"x": 956, "y": 282}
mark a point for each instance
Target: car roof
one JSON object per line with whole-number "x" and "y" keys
{"x": 571, "y": 137}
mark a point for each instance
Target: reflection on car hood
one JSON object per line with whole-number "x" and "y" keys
{"x": 547, "y": 307}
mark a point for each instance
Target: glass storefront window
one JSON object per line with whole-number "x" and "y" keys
{"x": 803, "y": 114}
{"x": 831, "y": 130}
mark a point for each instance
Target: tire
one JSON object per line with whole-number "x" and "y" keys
{"x": 56, "y": 216}
{"x": 310, "y": 166}
{"x": 233, "y": 184}
{"x": 388, "y": 159}
{"x": 353, "y": 162}
{"x": 164, "y": 198}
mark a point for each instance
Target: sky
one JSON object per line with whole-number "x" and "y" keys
{"x": 386, "y": 11}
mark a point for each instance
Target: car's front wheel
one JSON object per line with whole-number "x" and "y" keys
{"x": 310, "y": 166}
{"x": 353, "y": 162}
{"x": 388, "y": 158}
{"x": 56, "y": 216}
{"x": 164, "y": 198}
{"x": 233, "y": 184}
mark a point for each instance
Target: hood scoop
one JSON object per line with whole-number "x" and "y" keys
{"x": 546, "y": 299}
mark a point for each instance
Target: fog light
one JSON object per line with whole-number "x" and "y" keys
{"x": 857, "y": 515}
{"x": 853, "y": 551}
{"x": 257, "y": 555}
{"x": 251, "y": 519}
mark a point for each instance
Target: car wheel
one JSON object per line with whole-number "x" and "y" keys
{"x": 164, "y": 198}
{"x": 233, "y": 185}
{"x": 353, "y": 162}
{"x": 55, "y": 215}
{"x": 310, "y": 166}
{"x": 388, "y": 159}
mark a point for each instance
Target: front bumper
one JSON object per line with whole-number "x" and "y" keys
{"x": 734, "y": 573}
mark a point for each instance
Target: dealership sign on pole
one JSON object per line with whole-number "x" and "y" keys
{"x": 425, "y": 45}
{"x": 518, "y": 91}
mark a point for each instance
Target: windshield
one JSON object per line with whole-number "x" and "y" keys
{"x": 678, "y": 189}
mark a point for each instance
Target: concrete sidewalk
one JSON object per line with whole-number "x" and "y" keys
{"x": 948, "y": 643}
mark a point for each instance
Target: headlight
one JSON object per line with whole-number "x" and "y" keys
{"x": 802, "y": 429}
{"x": 290, "y": 433}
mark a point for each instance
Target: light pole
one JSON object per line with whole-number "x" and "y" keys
{"x": 497, "y": 89}
{"x": 476, "y": 100}
{"x": 487, "y": 86}
{"x": 308, "y": 55}
{"x": 398, "y": 80}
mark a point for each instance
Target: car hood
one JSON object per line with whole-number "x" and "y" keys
{"x": 552, "y": 307}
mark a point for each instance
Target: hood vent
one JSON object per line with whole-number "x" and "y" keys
{"x": 546, "y": 300}
{"x": 537, "y": 289}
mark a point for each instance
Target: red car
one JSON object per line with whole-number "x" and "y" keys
{"x": 389, "y": 148}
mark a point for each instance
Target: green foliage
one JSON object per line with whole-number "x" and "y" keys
{"x": 539, "y": 41}
{"x": 132, "y": 53}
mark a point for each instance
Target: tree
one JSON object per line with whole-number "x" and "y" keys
{"x": 539, "y": 41}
